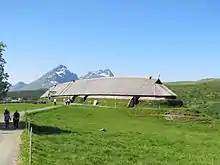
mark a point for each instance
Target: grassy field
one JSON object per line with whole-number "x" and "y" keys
{"x": 70, "y": 136}
{"x": 21, "y": 107}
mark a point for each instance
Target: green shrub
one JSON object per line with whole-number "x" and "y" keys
{"x": 160, "y": 103}
{"x": 79, "y": 100}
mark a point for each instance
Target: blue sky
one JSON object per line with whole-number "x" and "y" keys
{"x": 178, "y": 39}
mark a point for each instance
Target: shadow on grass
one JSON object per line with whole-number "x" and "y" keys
{"x": 37, "y": 129}
{"x": 47, "y": 130}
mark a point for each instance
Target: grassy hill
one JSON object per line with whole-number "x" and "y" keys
{"x": 70, "y": 135}
{"x": 203, "y": 95}
{"x": 192, "y": 82}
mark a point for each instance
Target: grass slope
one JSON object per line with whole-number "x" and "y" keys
{"x": 203, "y": 96}
{"x": 69, "y": 136}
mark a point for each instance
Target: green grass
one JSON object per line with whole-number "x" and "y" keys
{"x": 70, "y": 136}
{"x": 200, "y": 95}
{"x": 133, "y": 136}
{"x": 21, "y": 107}
{"x": 24, "y": 148}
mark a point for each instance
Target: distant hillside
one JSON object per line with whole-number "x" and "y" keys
{"x": 202, "y": 95}
{"x": 18, "y": 86}
{"x": 27, "y": 94}
{"x": 192, "y": 82}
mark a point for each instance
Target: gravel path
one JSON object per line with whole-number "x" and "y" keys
{"x": 10, "y": 140}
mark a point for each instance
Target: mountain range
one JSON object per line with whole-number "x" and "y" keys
{"x": 58, "y": 75}
{"x": 98, "y": 74}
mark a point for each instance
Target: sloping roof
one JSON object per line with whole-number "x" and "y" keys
{"x": 55, "y": 90}
{"x": 114, "y": 86}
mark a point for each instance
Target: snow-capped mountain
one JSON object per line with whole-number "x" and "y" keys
{"x": 57, "y": 75}
{"x": 98, "y": 74}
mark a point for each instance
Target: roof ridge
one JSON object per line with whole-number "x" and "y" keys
{"x": 118, "y": 77}
{"x": 117, "y": 86}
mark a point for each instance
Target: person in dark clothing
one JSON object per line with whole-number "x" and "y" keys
{"x": 16, "y": 118}
{"x": 7, "y": 118}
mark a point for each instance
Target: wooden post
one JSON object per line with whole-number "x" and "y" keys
{"x": 115, "y": 101}
{"x": 25, "y": 117}
{"x": 26, "y": 124}
{"x": 29, "y": 125}
{"x": 30, "y": 149}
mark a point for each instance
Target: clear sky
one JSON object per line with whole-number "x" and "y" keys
{"x": 178, "y": 39}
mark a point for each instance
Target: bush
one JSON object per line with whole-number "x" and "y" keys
{"x": 175, "y": 103}
{"x": 79, "y": 100}
{"x": 162, "y": 103}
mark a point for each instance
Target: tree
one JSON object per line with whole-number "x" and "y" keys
{"x": 4, "y": 84}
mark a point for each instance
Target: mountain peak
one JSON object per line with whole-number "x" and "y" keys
{"x": 61, "y": 70}
{"x": 61, "y": 66}
{"x": 58, "y": 75}
{"x": 20, "y": 82}
{"x": 98, "y": 74}
{"x": 109, "y": 72}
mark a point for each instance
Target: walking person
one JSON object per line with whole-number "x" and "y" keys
{"x": 68, "y": 101}
{"x": 16, "y": 118}
{"x": 55, "y": 101}
{"x": 7, "y": 118}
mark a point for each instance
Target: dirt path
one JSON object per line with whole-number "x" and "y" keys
{"x": 10, "y": 140}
